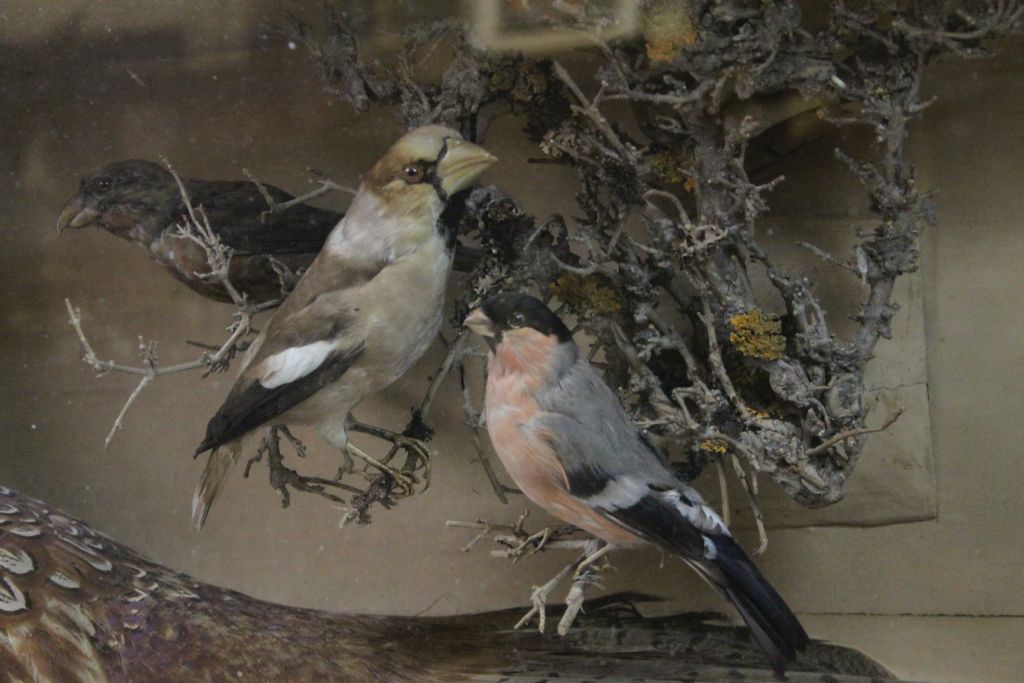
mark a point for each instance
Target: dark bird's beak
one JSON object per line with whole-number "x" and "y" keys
{"x": 74, "y": 215}
{"x": 478, "y": 322}
{"x": 462, "y": 164}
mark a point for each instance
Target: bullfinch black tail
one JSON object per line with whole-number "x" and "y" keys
{"x": 775, "y": 627}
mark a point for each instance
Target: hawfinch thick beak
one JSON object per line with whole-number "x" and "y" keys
{"x": 478, "y": 322}
{"x": 462, "y": 164}
{"x": 74, "y": 215}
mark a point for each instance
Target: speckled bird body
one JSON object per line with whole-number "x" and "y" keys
{"x": 78, "y": 607}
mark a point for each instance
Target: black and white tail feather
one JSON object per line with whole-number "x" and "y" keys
{"x": 774, "y": 626}
{"x": 677, "y": 520}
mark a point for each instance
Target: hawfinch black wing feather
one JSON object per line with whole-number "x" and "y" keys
{"x": 312, "y": 341}
{"x": 252, "y": 405}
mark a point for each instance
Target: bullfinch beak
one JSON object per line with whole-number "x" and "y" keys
{"x": 462, "y": 163}
{"x": 478, "y": 323}
{"x": 75, "y": 215}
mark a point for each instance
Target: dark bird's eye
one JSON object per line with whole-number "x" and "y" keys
{"x": 413, "y": 174}
{"x": 517, "y": 320}
{"x": 104, "y": 184}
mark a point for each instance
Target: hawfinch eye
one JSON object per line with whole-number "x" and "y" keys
{"x": 413, "y": 174}
{"x": 517, "y": 320}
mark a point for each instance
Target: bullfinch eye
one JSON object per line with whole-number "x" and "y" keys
{"x": 413, "y": 174}
{"x": 517, "y": 320}
{"x": 104, "y": 184}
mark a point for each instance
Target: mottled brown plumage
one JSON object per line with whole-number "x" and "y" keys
{"x": 77, "y": 607}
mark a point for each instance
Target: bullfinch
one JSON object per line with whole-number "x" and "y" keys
{"x": 566, "y": 440}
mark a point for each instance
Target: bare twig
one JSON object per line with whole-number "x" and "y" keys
{"x": 119, "y": 420}
{"x": 325, "y": 186}
{"x": 723, "y": 490}
{"x": 851, "y": 433}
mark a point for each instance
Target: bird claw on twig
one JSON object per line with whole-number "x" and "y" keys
{"x": 404, "y": 480}
{"x": 283, "y": 477}
{"x": 584, "y": 573}
{"x": 539, "y": 598}
{"x": 519, "y": 543}
{"x": 418, "y": 457}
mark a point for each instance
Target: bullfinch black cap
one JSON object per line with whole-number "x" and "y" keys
{"x": 512, "y": 310}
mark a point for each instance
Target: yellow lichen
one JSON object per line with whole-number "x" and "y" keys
{"x": 671, "y": 168}
{"x": 669, "y": 29}
{"x": 585, "y": 295}
{"x": 757, "y": 335}
{"x": 714, "y": 446}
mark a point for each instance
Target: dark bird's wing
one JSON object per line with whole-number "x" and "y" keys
{"x": 78, "y": 607}
{"x": 239, "y": 215}
{"x": 614, "y": 470}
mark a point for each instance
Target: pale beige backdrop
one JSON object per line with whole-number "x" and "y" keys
{"x": 85, "y": 83}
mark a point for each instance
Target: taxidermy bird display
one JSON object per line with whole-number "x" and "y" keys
{"x": 77, "y": 607}
{"x": 140, "y": 201}
{"x": 565, "y": 439}
{"x": 366, "y": 309}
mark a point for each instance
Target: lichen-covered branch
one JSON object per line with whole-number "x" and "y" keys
{"x": 656, "y": 269}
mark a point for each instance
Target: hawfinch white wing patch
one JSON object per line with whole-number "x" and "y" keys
{"x": 294, "y": 363}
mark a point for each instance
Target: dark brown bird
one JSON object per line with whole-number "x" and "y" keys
{"x": 140, "y": 201}
{"x": 77, "y": 607}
